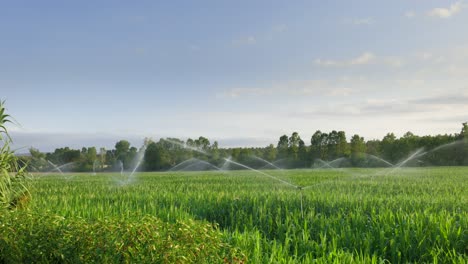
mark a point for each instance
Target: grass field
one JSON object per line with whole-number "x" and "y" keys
{"x": 361, "y": 215}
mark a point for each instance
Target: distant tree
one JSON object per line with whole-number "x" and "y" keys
{"x": 161, "y": 155}
{"x": 87, "y": 158}
{"x": 155, "y": 158}
{"x": 292, "y": 150}
{"x": 388, "y": 146}
{"x": 102, "y": 158}
{"x": 215, "y": 152}
{"x": 121, "y": 148}
{"x": 125, "y": 153}
{"x": 190, "y": 142}
{"x": 91, "y": 154}
{"x": 303, "y": 159}
{"x": 202, "y": 143}
{"x": 270, "y": 153}
{"x": 407, "y": 144}
{"x": 38, "y": 160}
{"x": 293, "y": 147}
{"x": 282, "y": 147}
{"x": 358, "y": 150}
{"x": 332, "y": 145}
{"x": 464, "y": 131}
{"x": 342, "y": 145}
{"x": 111, "y": 159}
{"x": 316, "y": 145}
{"x": 245, "y": 157}
{"x": 464, "y": 149}
{"x": 235, "y": 153}
{"x": 373, "y": 147}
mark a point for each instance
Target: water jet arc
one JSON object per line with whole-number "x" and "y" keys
{"x": 261, "y": 172}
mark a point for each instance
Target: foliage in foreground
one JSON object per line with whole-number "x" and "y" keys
{"x": 13, "y": 192}
{"x": 45, "y": 238}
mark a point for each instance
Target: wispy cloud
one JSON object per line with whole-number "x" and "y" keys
{"x": 290, "y": 88}
{"x": 293, "y": 88}
{"x": 417, "y": 107}
{"x": 341, "y": 92}
{"x": 363, "y": 59}
{"x": 446, "y": 12}
{"x": 449, "y": 99}
{"x": 410, "y": 14}
{"x": 363, "y": 21}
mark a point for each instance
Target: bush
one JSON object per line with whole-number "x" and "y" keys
{"x": 28, "y": 238}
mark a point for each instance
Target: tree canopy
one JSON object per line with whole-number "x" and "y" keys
{"x": 289, "y": 152}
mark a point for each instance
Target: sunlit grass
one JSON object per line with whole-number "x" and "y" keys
{"x": 350, "y": 214}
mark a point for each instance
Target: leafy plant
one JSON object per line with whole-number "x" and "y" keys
{"x": 46, "y": 238}
{"x": 13, "y": 191}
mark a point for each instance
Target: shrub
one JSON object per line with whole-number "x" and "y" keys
{"x": 28, "y": 238}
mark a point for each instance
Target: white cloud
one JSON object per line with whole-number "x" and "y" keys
{"x": 323, "y": 62}
{"x": 363, "y": 59}
{"x": 341, "y": 92}
{"x": 454, "y": 70}
{"x": 289, "y": 88}
{"x": 410, "y": 14}
{"x": 251, "y": 91}
{"x": 446, "y": 12}
{"x": 409, "y": 83}
{"x": 414, "y": 108}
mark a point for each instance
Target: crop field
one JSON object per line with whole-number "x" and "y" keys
{"x": 343, "y": 215}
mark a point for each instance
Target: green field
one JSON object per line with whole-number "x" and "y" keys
{"x": 361, "y": 215}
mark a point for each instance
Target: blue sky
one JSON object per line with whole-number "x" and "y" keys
{"x": 241, "y": 72}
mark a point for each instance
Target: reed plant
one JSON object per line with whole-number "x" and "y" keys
{"x": 13, "y": 190}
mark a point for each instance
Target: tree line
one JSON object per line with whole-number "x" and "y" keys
{"x": 330, "y": 149}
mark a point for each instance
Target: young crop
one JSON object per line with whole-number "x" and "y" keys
{"x": 356, "y": 215}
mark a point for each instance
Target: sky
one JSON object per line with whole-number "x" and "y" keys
{"x": 89, "y": 73}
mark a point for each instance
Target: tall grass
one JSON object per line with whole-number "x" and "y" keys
{"x": 13, "y": 192}
{"x": 413, "y": 215}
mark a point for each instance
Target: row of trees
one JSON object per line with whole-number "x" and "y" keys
{"x": 290, "y": 152}
{"x": 86, "y": 159}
